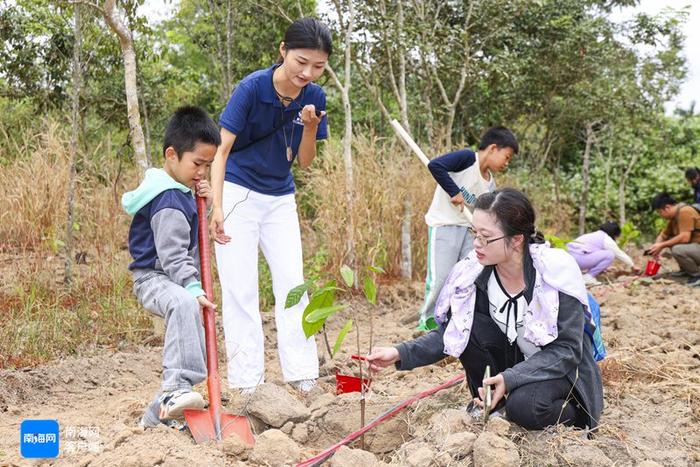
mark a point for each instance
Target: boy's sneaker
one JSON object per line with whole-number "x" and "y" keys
{"x": 146, "y": 423}
{"x": 304, "y": 385}
{"x": 173, "y": 403}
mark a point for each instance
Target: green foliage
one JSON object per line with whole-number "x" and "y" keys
{"x": 557, "y": 242}
{"x": 294, "y": 295}
{"x": 348, "y": 275}
{"x": 322, "y": 303}
{"x": 341, "y": 337}
{"x": 322, "y": 298}
{"x": 629, "y": 233}
{"x": 659, "y": 224}
{"x": 322, "y": 314}
{"x": 370, "y": 290}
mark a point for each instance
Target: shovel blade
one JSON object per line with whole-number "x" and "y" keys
{"x": 238, "y": 425}
{"x": 203, "y": 428}
{"x": 201, "y": 425}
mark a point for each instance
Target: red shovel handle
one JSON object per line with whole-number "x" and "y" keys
{"x": 204, "y": 249}
{"x": 213, "y": 383}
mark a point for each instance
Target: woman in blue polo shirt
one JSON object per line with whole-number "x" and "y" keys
{"x": 275, "y": 116}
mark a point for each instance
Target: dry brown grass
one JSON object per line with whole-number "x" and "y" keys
{"x": 43, "y": 319}
{"x": 657, "y": 372}
{"x": 384, "y": 177}
{"x": 33, "y": 230}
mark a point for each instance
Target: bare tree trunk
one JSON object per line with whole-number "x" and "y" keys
{"x": 556, "y": 180}
{"x": 608, "y": 161}
{"x": 585, "y": 173}
{"x": 228, "y": 76}
{"x": 621, "y": 190}
{"x": 406, "y": 258}
{"x": 126, "y": 43}
{"x": 75, "y": 126}
{"x": 452, "y": 103}
{"x": 149, "y": 156}
{"x": 347, "y": 137}
{"x": 222, "y": 19}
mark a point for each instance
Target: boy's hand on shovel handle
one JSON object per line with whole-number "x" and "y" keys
{"x": 204, "y": 303}
{"x": 458, "y": 201}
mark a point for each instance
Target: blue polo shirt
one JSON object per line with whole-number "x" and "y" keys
{"x": 252, "y": 112}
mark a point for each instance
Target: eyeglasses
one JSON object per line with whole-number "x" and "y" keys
{"x": 481, "y": 239}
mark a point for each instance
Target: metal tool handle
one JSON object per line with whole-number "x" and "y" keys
{"x": 421, "y": 155}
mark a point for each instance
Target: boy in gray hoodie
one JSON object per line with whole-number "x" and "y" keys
{"x": 164, "y": 246}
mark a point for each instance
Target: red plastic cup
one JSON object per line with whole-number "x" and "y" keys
{"x": 652, "y": 267}
{"x": 345, "y": 383}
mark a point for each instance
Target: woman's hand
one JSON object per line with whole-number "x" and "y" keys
{"x": 497, "y": 393}
{"x": 309, "y": 117}
{"x": 382, "y": 357}
{"x": 216, "y": 227}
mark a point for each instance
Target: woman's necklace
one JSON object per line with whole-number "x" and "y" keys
{"x": 287, "y": 101}
{"x": 287, "y": 143}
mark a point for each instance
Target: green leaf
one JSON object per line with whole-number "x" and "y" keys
{"x": 377, "y": 269}
{"x": 348, "y": 275}
{"x": 557, "y": 242}
{"x": 341, "y": 337}
{"x": 294, "y": 295}
{"x": 321, "y": 314}
{"x": 318, "y": 300}
{"x": 329, "y": 286}
{"x": 370, "y": 290}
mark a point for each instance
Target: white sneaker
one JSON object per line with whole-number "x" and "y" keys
{"x": 304, "y": 385}
{"x": 173, "y": 403}
{"x": 590, "y": 280}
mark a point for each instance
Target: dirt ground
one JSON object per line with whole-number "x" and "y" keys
{"x": 652, "y": 395}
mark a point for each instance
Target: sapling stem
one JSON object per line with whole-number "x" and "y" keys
{"x": 325, "y": 340}
{"x": 362, "y": 385}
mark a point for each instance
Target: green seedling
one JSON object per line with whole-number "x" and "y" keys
{"x": 322, "y": 305}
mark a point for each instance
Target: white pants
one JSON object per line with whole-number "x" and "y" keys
{"x": 253, "y": 219}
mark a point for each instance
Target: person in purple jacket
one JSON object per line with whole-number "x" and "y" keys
{"x": 595, "y": 251}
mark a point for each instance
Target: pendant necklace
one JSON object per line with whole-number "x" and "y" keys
{"x": 287, "y": 101}
{"x": 287, "y": 143}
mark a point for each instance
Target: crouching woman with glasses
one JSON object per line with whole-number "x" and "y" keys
{"x": 519, "y": 306}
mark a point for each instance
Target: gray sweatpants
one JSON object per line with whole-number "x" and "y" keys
{"x": 447, "y": 245}
{"x": 184, "y": 351}
{"x": 688, "y": 257}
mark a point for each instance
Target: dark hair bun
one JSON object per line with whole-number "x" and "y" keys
{"x": 537, "y": 237}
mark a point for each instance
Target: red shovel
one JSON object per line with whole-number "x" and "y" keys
{"x": 213, "y": 423}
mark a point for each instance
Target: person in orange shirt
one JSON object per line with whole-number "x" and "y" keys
{"x": 681, "y": 235}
